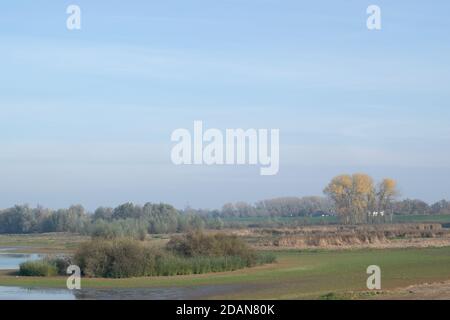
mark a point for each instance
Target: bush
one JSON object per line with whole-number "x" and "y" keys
{"x": 40, "y": 268}
{"x": 118, "y": 258}
{"x": 213, "y": 245}
{"x": 122, "y": 258}
{"x": 61, "y": 263}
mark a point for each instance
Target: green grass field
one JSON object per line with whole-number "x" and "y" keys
{"x": 248, "y": 221}
{"x": 296, "y": 275}
{"x": 443, "y": 218}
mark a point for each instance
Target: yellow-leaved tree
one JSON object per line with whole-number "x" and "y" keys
{"x": 356, "y": 198}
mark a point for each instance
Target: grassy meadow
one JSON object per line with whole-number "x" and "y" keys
{"x": 250, "y": 221}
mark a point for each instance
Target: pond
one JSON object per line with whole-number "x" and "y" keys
{"x": 169, "y": 293}
{"x": 17, "y": 293}
{"x": 11, "y": 261}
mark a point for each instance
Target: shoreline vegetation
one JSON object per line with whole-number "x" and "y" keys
{"x": 193, "y": 253}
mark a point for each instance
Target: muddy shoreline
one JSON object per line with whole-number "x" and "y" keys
{"x": 426, "y": 291}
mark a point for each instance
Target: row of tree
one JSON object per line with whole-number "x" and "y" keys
{"x": 125, "y": 220}
{"x": 353, "y": 198}
{"x": 357, "y": 199}
{"x": 23, "y": 219}
{"x": 418, "y": 207}
{"x": 277, "y": 207}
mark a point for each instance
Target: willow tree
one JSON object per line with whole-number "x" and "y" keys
{"x": 386, "y": 194}
{"x": 340, "y": 190}
{"x": 363, "y": 197}
{"x": 355, "y": 196}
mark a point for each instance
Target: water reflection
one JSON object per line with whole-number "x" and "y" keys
{"x": 172, "y": 293}
{"x": 11, "y": 261}
{"x": 16, "y": 293}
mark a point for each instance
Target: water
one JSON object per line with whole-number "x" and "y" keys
{"x": 16, "y": 293}
{"x": 11, "y": 261}
{"x": 172, "y": 293}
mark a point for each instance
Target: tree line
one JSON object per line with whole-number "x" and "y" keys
{"x": 353, "y": 198}
{"x": 128, "y": 220}
{"x": 357, "y": 199}
{"x": 318, "y": 206}
{"x": 418, "y": 207}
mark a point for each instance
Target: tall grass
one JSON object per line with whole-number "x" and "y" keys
{"x": 195, "y": 253}
{"x": 46, "y": 267}
{"x": 172, "y": 265}
{"x": 40, "y": 268}
{"x": 123, "y": 258}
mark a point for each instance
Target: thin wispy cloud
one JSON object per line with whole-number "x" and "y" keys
{"x": 94, "y": 108}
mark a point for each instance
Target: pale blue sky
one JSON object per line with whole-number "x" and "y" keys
{"x": 86, "y": 116}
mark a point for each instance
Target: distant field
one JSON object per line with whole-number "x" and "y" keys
{"x": 42, "y": 243}
{"x": 296, "y": 275}
{"x": 248, "y": 221}
{"x": 444, "y": 218}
